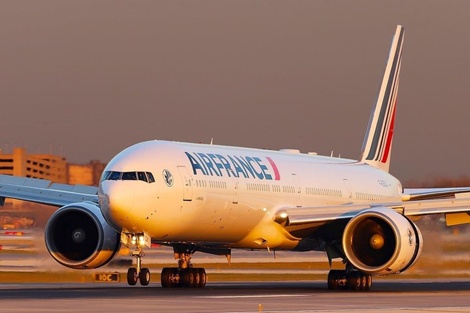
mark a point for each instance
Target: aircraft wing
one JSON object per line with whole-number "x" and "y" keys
{"x": 432, "y": 193}
{"x": 456, "y": 210}
{"x": 44, "y": 192}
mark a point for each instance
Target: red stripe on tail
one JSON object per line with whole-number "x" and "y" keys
{"x": 388, "y": 144}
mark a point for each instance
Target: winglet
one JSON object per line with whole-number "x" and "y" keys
{"x": 377, "y": 143}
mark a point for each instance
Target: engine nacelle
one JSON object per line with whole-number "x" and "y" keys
{"x": 380, "y": 241}
{"x": 77, "y": 236}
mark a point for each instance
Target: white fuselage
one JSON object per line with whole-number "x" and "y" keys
{"x": 229, "y": 195}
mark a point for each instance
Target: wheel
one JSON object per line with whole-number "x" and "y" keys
{"x": 368, "y": 282}
{"x": 354, "y": 281}
{"x": 169, "y": 277}
{"x": 197, "y": 278}
{"x": 132, "y": 276}
{"x": 144, "y": 276}
{"x": 202, "y": 277}
{"x": 333, "y": 276}
{"x": 188, "y": 277}
{"x": 363, "y": 281}
{"x": 191, "y": 278}
{"x": 165, "y": 277}
{"x": 331, "y": 281}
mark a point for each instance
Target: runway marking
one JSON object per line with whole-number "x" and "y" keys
{"x": 254, "y": 296}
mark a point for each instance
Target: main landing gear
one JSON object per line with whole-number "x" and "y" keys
{"x": 185, "y": 275}
{"x": 348, "y": 279}
{"x": 138, "y": 273}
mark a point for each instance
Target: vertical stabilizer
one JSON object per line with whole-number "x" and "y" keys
{"x": 377, "y": 143}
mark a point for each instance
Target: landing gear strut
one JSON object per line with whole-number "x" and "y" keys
{"x": 348, "y": 279}
{"x": 185, "y": 275}
{"x": 138, "y": 273}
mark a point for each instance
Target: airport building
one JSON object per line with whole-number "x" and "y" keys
{"x": 50, "y": 167}
{"x": 85, "y": 174}
{"x": 42, "y": 166}
{"x": 15, "y": 214}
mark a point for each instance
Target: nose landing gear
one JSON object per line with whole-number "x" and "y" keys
{"x": 138, "y": 273}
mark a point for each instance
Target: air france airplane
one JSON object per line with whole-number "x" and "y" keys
{"x": 212, "y": 199}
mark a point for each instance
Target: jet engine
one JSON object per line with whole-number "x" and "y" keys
{"x": 77, "y": 236}
{"x": 380, "y": 241}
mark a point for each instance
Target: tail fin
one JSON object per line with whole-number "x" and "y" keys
{"x": 377, "y": 143}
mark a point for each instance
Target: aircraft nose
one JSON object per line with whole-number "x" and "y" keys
{"x": 116, "y": 201}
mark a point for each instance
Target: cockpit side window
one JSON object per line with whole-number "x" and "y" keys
{"x": 150, "y": 177}
{"x": 142, "y": 176}
{"x": 105, "y": 175}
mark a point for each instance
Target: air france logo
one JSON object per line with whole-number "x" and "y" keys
{"x": 168, "y": 178}
{"x": 410, "y": 237}
{"x": 211, "y": 164}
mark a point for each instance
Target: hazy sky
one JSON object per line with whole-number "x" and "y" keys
{"x": 94, "y": 77}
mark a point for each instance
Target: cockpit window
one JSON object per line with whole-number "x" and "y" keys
{"x": 114, "y": 175}
{"x": 129, "y": 176}
{"x": 142, "y": 176}
{"x": 105, "y": 175}
{"x": 150, "y": 177}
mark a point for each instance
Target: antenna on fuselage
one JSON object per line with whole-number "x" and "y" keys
{"x": 212, "y": 140}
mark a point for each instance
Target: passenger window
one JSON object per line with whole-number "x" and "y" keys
{"x": 129, "y": 176}
{"x": 142, "y": 176}
{"x": 150, "y": 177}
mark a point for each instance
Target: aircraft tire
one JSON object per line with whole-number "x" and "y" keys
{"x": 132, "y": 276}
{"x": 188, "y": 277}
{"x": 197, "y": 278}
{"x": 355, "y": 281}
{"x": 166, "y": 277}
{"x": 202, "y": 277}
{"x": 368, "y": 283}
{"x": 333, "y": 276}
{"x": 144, "y": 276}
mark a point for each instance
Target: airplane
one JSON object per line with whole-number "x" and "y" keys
{"x": 212, "y": 199}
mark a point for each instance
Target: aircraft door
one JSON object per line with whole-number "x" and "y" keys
{"x": 297, "y": 190}
{"x": 235, "y": 192}
{"x": 347, "y": 189}
{"x": 187, "y": 185}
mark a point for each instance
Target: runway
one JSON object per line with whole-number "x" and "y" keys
{"x": 297, "y": 297}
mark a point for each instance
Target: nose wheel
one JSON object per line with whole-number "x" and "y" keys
{"x": 134, "y": 275}
{"x": 138, "y": 273}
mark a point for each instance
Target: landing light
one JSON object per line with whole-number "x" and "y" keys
{"x": 140, "y": 239}
{"x": 281, "y": 217}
